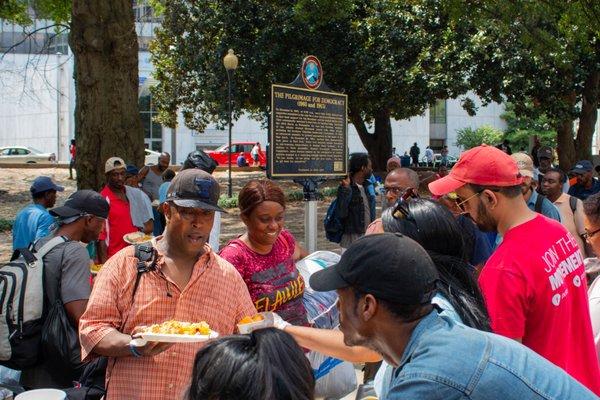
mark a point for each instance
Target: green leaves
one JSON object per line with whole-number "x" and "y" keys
{"x": 386, "y": 55}
{"x": 16, "y": 11}
{"x": 468, "y": 138}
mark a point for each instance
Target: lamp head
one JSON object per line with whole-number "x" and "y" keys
{"x": 230, "y": 61}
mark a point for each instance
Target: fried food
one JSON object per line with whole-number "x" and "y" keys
{"x": 249, "y": 320}
{"x": 95, "y": 268}
{"x": 138, "y": 238}
{"x": 179, "y": 328}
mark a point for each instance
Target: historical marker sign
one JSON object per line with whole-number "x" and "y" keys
{"x": 308, "y": 127}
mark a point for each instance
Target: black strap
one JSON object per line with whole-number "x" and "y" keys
{"x": 146, "y": 256}
{"x": 573, "y": 203}
{"x": 538, "y": 203}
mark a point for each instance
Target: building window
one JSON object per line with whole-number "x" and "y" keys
{"x": 143, "y": 12}
{"x": 152, "y": 129}
{"x": 14, "y": 40}
{"x": 437, "y": 112}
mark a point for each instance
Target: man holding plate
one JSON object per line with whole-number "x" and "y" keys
{"x": 190, "y": 283}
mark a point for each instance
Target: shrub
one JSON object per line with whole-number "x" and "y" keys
{"x": 468, "y": 138}
{"x": 6, "y": 224}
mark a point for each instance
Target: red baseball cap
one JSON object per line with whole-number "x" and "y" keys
{"x": 482, "y": 165}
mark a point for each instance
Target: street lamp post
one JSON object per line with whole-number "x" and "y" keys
{"x": 230, "y": 61}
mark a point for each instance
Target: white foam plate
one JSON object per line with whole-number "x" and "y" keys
{"x": 144, "y": 338}
{"x": 267, "y": 322}
{"x": 134, "y": 237}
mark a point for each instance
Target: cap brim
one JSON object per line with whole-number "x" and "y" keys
{"x": 196, "y": 204}
{"x": 64, "y": 212}
{"x": 327, "y": 280}
{"x": 445, "y": 185}
{"x": 59, "y": 188}
{"x": 578, "y": 171}
{"x": 525, "y": 172}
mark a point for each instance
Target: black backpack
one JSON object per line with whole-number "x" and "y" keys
{"x": 91, "y": 384}
{"x": 23, "y": 306}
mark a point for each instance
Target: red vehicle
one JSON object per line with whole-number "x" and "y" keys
{"x": 220, "y": 154}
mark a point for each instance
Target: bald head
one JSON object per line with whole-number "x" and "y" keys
{"x": 164, "y": 159}
{"x": 397, "y": 181}
{"x": 407, "y": 175}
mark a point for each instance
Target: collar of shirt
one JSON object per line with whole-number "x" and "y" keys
{"x": 532, "y": 198}
{"x": 426, "y": 323}
{"x": 207, "y": 259}
{"x": 562, "y": 199}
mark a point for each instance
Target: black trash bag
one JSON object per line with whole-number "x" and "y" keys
{"x": 201, "y": 160}
{"x": 60, "y": 344}
{"x": 91, "y": 384}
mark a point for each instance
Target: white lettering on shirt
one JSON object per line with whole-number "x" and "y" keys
{"x": 565, "y": 267}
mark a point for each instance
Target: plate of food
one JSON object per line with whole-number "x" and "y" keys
{"x": 137, "y": 237}
{"x": 175, "y": 332}
{"x": 258, "y": 321}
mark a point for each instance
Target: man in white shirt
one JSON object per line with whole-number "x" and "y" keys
{"x": 429, "y": 156}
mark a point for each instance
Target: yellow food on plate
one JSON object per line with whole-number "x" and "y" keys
{"x": 95, "y": 268}
{"x": 179, "y": 328}
{"x": 249, "y": 320}
{"x": 135, "y": 238}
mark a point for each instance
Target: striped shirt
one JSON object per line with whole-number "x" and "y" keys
{"x": 215, "y": 293}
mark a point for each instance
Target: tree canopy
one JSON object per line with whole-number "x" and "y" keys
{"x": 540, "y": 53}
{"x": 386, "y": 56}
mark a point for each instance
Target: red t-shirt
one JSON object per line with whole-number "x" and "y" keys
{"x": 272, "y": 279}
{"x": 118, "y": 223}
{"x": 534, "y": 287}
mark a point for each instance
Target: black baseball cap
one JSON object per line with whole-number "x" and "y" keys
{"x": 195, "y": 188}
{"x": 390, "y": 266}
{"x": 582, "y": 167}
{"x": 82, "y": 202}
{"x": 545, "y": 152}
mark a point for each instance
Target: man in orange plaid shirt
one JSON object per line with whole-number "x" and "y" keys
{"x": 190, "y": 283}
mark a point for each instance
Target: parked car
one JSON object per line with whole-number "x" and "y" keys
{"x": 151, "y": 157}
{"x": 220, "y": 154}
{"x": 437, "y": 160}
{"x": 24, "y": 154}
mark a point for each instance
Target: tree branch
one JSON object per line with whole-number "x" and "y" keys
{"x": 29, "y": 34}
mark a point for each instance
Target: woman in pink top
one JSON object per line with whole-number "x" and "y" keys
{"x": 265, "y": 255}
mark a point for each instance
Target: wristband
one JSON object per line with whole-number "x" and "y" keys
{"x": 134, "y": 351}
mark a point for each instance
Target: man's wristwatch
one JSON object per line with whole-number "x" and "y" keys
{"x": 134, "y": 351}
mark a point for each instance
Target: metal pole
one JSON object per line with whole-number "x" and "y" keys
{"x": 310, "y": 225}
{"x": 230, "y": 189}
{"x": 58, "y": 107}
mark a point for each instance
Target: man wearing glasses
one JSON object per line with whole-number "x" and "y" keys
{"x": 395, "y": 185}
{"x": 188, "y": 282}
{"x": 67, "y": 274}
{"x": 534, "y": 283}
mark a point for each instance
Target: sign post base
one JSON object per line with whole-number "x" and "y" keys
{"x": 311, "y": 197}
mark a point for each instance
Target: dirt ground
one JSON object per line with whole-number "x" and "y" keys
{"x": 14, "y": 194}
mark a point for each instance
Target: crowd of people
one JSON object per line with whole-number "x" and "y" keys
{"x": 486, "y": 290}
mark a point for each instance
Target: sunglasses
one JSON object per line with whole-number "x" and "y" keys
{"x": 460, "y": 203}
{"x": 189, "y": 213}
{"x": 401, "y": 207}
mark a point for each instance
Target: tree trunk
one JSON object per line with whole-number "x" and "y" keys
{"x": 378, "y": 143}
{"x": 565, "y": 145}
{"x": 588, "y": 116}
{"x": 107, "y": 121}
{"x": 571, "y": 150}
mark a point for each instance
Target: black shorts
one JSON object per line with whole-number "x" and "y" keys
{"x": 255, "y": 157}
